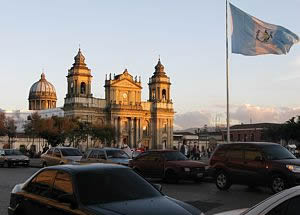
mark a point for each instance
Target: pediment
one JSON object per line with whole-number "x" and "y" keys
{"x": 127, "y": 84}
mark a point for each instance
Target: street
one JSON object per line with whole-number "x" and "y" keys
{"x": 204, "y": 196}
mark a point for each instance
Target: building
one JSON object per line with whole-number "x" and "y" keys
{"x": 248, "y": 132}
{"x": 42, "y": 95}
{"x": 136, "y": 122}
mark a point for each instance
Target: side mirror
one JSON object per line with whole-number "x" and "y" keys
{"x": 69, "y": 199}
{"x": 158, "y": 187}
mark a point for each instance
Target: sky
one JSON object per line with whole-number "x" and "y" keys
{"x": 189, "y": 36}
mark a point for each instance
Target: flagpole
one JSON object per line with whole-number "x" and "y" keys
{"x": 227, "y": 77}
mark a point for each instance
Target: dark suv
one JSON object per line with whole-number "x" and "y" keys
{"x": 255, "y": 164}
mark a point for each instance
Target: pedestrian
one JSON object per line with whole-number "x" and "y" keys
{"x": 193, "y": 153}
{"x": 127, "y": 150}
{"x": 197, "y": 153}
{"x": 182, "y": 149}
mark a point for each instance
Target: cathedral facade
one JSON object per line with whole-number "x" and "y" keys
{"x": 136, "y": 122}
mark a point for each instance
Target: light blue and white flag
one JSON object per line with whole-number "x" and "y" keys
{"x": 251, "y": 36}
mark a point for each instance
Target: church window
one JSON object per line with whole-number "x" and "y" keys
{"x": 164, "y": 94}
{"x": 82, "y": 88}
{"x": 153, "y": 94}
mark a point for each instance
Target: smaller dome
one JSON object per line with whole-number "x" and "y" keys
{"x": 42, "y": 88}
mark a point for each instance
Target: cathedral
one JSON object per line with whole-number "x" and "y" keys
{"x": 136, "y": 122}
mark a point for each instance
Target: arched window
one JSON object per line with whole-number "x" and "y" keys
{"x": 164, "y": 94}
{"x": 153, "y": 94}
{"x": 82, "y": 88}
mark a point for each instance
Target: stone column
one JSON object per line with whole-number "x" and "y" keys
{"x": 119, "y": 131}
{"x": 131, "y": 132}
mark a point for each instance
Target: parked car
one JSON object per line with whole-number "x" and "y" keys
{"x": 106, "y": 155}
{"x": 13, "y": 157}
{"x": 94, "y": 189}
{"x": 60, "y": 155}
{"x": 137, "y": 152}
{"x": 283, "y": 203}
{"x": 255, "y": 164}
{"x": 170, "y": 165}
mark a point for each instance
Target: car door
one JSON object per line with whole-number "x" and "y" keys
{"x": 56, "y": 157}
{"x": 37, "y": 193}
{"x": 254, "y": 166}
{"x": 2, "y": 154}
{"x": 63, "y": 186}
{"x": 153, "y": 165}
{"x": 235, "y": 163}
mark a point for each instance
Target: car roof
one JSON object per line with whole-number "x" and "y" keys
{"x": 62, "y": 147}
{"x": 252, "y": 143}
{"x": 162, "y": 150}
{"x": 105, "y": 148}
{"x": 86, "y": 167}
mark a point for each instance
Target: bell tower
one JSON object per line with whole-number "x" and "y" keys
{"x": 159, "y": 85}
{"x": 79, "y": 78}
{"x": 162, "y": 112}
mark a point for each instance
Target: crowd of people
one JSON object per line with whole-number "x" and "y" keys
{"x": 194, "y": 152}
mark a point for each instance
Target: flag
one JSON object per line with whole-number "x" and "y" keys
{"x": 251, "y": 36}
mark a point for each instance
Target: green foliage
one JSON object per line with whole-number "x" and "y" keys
{"x": 290, "y": 130}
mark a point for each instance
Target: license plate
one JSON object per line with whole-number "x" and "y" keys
{"x": 199, "y": 175}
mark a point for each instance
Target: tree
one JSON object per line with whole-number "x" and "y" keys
{"x": 33, "y": 126}
{"x": 11, "y": 130}
{"x": 105, "y": 134}
{"x": 3, "y": 129}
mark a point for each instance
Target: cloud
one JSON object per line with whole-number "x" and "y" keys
{"x": 192, "y": 119}
{"x": 263, "y": 114}
{"x": 243, "y": 113}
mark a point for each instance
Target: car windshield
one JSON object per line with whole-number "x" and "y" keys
{"x": 175, "y": 156}
{"x": 12, "y": 152}
{"x": 116, "y": 154}
{"x": 70, "y": 152}
{"x": 277, "y": 152}
{"x": 113, "y": 185}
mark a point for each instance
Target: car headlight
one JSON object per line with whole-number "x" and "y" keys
{"x": 26, "y": 158}
{"x": 293, "y": 168}
{"x": 186, "y": 169}
{"x": 206, "y": 167}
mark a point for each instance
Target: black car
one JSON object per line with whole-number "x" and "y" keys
{"x": 255, "y": 164}
{"x": 106, "y": 189}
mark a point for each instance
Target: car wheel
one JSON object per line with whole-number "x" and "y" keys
{"x": 6, "y": 164}
{"x": 171, "y": 177}
{"x": 222, "y": 181}
{"x": 278, "y": 183}
{"x": 44, "y": 164}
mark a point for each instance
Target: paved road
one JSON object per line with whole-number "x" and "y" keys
{"x": 204, "y": 195}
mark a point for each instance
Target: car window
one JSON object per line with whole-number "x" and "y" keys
{"x": 70, "y": 152}
{"x": 277, "y": 152}
{"x": 12, "y": 152}
{"x": 106, "y": 187}
{"x": 116, "y": 154}
{"x": 279, "y": 210}
{"x": 101, "y": 155}
{"x": 94, "y": 154}
{"x": 42, "y": 184}
{"x": 49, "y": 152}
{"x": 174, "y": 156}
{"x": 150, "y": 157}
{"x": 235, "y": 152}
{"x": 86, "y": 154}
{"x": 220, "y": 151}
{"x": 57, "y": 153}
{"x": 252, "y": 153}
{"x": 293, "y": 206}
{"x": 62, "y": 184}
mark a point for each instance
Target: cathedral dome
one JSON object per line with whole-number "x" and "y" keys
{"x": 42, "y": 93}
